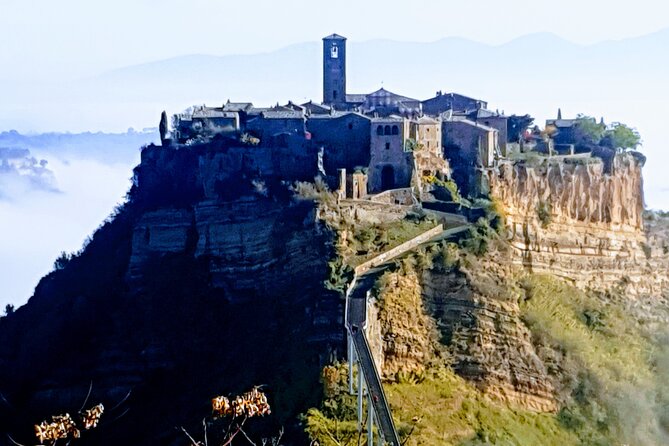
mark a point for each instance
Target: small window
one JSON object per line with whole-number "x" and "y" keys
{"x": 334, "y": 51}
{"x": 379, "y": 130}
{"x": 334, "y": 94}
{"x": 350, "y": 126}
{"x": 387, "y": 146}
{"x": 396, "y": 130}
{"x": 428, "y": 144}
{"x": 386, "y": 130}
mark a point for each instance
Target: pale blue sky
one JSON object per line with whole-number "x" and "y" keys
{"x": 72, "y": 38}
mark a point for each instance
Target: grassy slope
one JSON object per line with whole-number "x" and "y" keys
{"x": 612, "y": 367}
{"x": 607, "y": 366}
{"x": 452, "y": 412}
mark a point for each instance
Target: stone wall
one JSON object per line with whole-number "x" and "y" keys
{"x": 344, "y": 138}
{"x": 399, "y": 250}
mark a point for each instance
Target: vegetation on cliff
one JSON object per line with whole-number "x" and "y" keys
{"x": 604, "y": 356}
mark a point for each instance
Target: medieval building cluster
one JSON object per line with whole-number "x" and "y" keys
{"x": 379, "y": 141}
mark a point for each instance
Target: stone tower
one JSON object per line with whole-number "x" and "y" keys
{"x": 334, "y": 69}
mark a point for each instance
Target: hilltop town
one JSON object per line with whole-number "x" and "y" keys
{"x": 420, "y": 272}
{"x": 381, "y": 141}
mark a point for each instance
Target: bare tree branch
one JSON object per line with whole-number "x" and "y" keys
{"x": 246, "y": 436}
{"x": 2, "y": 397}
{"x": 192, "y": 440}
{"x": 90, "y": 389}
{"x": 122, "y": 401}
{"x": 14, "y": 441}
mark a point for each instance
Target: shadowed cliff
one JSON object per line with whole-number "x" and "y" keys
{"x": 206, "y": 281}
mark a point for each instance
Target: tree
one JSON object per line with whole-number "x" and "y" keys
{"x": 9, "y": 309}
{"x": 163, "y": 127}
{"x": 588, "y": 132}
{"x": 622, "y": 136}
{"x": 516, "y": 126}
{"x": 62, "y": 260}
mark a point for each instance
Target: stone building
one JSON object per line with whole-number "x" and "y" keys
{"x": 334, "y": 70}
{"x": 344, "y": 137}
{"x": 451, "y": 101}
{"x": 470, "y": 146}
{"x": 495, "y": 120}
{"x": 391, "y": 164}
{"x": 395, "y": 140}
{"x": 383, "y": 102}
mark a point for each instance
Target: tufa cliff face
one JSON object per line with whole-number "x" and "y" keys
{"x": 425, "y": 317}
{"x": 573, "y": 219}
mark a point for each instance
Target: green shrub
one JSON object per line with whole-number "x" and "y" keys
{"x": 544, "y": 213}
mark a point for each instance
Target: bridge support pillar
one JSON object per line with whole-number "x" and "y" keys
{"x": 361, "y": 391}
{"x": 370, "y": 421}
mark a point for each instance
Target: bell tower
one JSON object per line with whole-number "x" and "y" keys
{"x": 334, "y": 69}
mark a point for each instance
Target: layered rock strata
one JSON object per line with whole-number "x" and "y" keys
{"x": 571, "y": 218}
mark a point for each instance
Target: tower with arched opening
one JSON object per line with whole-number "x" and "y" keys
{"x": 334, "y": 69}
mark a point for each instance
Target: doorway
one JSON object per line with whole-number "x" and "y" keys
{"x": 387, "y": 178}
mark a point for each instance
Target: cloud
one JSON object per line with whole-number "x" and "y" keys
{"x": 21, "y": 173}
{"x": 41, "y": 217}
{"x": 36, "y": 228}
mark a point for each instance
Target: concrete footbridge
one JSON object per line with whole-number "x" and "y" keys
{"x": 369, "y": 382}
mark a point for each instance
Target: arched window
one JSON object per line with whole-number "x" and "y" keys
{"x": 334, "y": 51}
{"x": 387, "y": 130}
{"x": 379, "y": 130}
{"x": 396, "y": 130}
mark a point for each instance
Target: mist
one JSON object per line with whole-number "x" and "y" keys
{"x": 58, "y": 197}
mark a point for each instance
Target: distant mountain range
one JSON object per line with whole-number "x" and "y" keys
{"x": 543, "y": 63}
{"x": 415, "y": 69}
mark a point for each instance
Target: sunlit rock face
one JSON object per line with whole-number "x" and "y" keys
{"x": 578, "y": 221}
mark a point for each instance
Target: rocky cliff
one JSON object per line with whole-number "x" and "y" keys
{"x": 570, "y": 217}
{"x": 209, "y": 280}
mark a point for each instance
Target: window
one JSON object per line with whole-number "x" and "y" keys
{"x": 387, "y": 146}
{"x": 396, "y": 130}
{"x": 334, "y": 51}
{"x": 350, "y": 126}
{"x": 379, "y": 130}
{"x": 334, "y": 94}
{"x": 428, "y": 144}
{"x": 386, "y": 130}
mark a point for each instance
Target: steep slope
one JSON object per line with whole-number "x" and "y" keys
{"x": 191, "y": 290}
